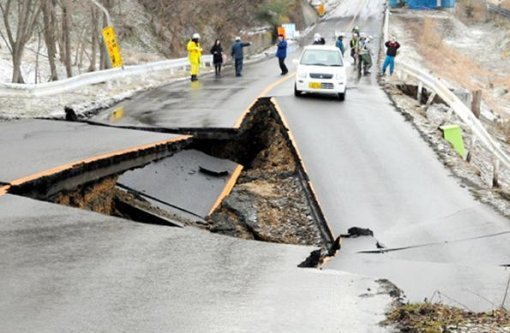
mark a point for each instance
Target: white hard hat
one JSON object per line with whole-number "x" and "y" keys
{"x": 238, "y": 38}
{"x": 317, "y": 36}
{"x": 196, "y": 36}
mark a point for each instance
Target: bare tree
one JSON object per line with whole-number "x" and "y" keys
{"x": 49, "y": 18}
{"x": 66, "y": 35}
{"x": 38, "y": 53}
{"x": 94, "y": 22}
{"x": 25, "y": 14}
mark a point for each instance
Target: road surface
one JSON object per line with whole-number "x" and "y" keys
{"x": 68, "y": 270}
{"x": 371, "y": 169}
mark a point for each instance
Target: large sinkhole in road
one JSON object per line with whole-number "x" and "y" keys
{"x": 247, "y": 183}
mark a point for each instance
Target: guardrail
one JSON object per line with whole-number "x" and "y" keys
{"x": 54, "y": 87}
{"x": 497, "y": 9}
{"x": 465, "y": 114}
{"x": 439, "y": 87}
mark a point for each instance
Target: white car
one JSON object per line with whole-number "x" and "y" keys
{"x": 321, "y": 70}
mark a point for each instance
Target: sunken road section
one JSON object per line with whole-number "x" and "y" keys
{"x": 271, "y": 201}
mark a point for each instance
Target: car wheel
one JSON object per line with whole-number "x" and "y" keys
{"x": 341, "y": 96}
{"x": 297, "y": 93}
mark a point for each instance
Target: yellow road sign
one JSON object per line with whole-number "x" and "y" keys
{"x": 117, "y": 114}
{"x": 321, "y": 9}
{"x": 112, "y": 46}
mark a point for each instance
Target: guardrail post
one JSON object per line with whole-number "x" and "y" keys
{"x": 469, "y": 155}
{"x": 420, "y": 92}
{"x": 495, "y": 174}
{"x": 28, "y": 104}
{"x": 431, "y": 99}
{"x": 476, "y": 103}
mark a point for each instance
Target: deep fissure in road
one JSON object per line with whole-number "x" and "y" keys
{"x": 272, "y": 200}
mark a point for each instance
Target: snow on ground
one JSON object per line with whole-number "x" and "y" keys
{"x": 351, "y": 8}
{"x": 478, "y": 53}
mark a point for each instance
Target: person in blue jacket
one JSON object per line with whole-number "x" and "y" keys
{"x": 281, "y": 53}
{"x": 238, "y": 55}
{"x": 340, "y": 43}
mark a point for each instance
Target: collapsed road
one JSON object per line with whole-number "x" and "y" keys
{"x": 371, "y": 169}
{"x": 67, "y": 268}
{"x": 361, "y": 163}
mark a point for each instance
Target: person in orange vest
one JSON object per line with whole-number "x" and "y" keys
{"x": 194, "y": 56}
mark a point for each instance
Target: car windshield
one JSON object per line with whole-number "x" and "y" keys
{"x": 322, "y": 58}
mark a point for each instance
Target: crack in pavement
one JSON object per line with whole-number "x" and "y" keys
{"x": 403, "y": 248}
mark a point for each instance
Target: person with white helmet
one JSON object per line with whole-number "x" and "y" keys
{"x": 238, "y": 55}
{"x": 194, "y": 55}
{"x": 364, "y": 53}
{"x": 318, "y": 39}
{"x": 354, "y": 43}
{"x": 355, "y": 31}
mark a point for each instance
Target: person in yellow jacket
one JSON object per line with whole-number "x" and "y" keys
{"x": 194, "y": 55}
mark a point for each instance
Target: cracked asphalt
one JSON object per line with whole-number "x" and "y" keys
{"x": 66, "y": 270}
{"x": 370, "y": 168}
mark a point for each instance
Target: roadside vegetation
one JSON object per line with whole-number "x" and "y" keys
{"x": 436, "y": 317}
{"x": 61, "y": 38}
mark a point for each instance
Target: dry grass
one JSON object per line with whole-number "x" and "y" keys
{"x": 430, "y": 317}
{"x": 447, "y": 60}
{"x": 473, "y": 10}
{"x": 456, "y": 66}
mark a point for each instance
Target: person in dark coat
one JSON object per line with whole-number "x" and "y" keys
{"x": 392, "y": 47}
{"x": 340, "y": 43}
{"x": 217, "y": 52}
{"x": 238, "y": 55}
{"x": 281, "y": 53}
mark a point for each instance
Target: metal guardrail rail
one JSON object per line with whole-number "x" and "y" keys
{"x": 86, "y": 79}
{"x": 73, "y": 83}
{"x": 498, "y": 9}
{"x": 438, "y": 86}
{"x": 459, "y": 108}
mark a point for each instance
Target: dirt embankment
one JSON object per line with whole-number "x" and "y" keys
{"x": 97, "y": 196}
{"x": 175, "y": 21}
{"x": 471, "y": 53}
{"x": 270, "y": 201}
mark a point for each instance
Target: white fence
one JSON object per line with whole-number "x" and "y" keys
{"x": 437, "y": 86}
{"x": 55, "y": 87}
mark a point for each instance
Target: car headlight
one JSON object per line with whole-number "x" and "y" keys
{"x": 301, "y": 75}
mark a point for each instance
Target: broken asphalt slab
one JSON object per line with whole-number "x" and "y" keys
{"x": 478, "y": 287}
{"x": 32, "y": 148}
{"x": 209, "y": 103}
{"x": 188, "y": 182}
{"x": 65, "y": 269}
